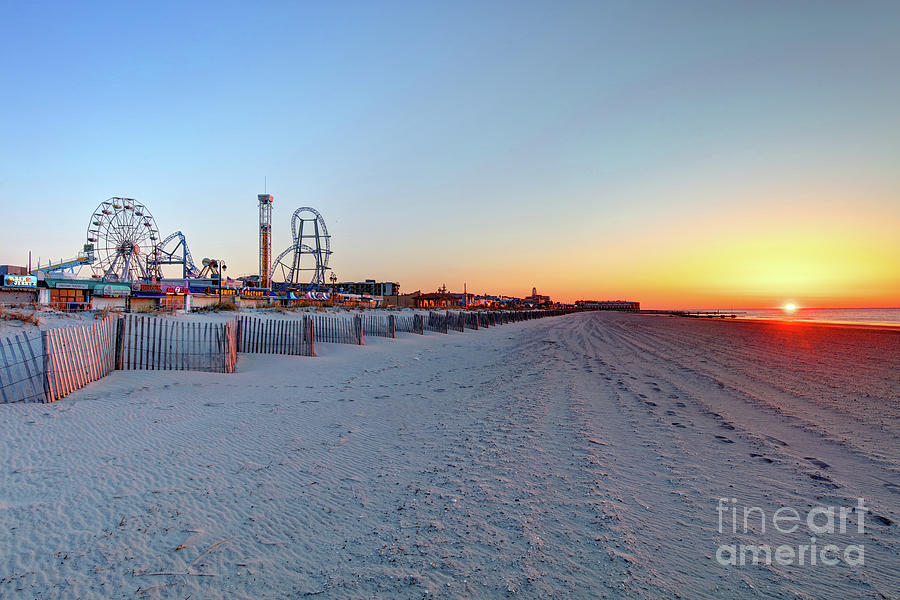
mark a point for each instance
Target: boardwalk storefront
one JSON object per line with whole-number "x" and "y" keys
{"x": 208, "y": 294}
{"x": 18, "y": 289}
{"x": 69, "y": 295}
{"x": 251, "y": 297}
{"x": 110, "y": 296}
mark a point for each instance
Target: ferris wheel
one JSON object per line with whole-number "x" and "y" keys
{"x": 124, "y": 236}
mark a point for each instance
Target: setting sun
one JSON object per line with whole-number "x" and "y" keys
{"x": 790, "y": 307}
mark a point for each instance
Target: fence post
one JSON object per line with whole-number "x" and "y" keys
{"x": 223, "y": 343}
{"x": 311, "y": 335}
{"x": 120, "y": 342}
{"x": 359, "y": 328}
{"x": 392, "y": 323}
{"x": 230, "y": 346}
{"x": 48, "y": 389}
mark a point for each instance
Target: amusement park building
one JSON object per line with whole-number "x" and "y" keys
{"x": 16, "y": 286}
{"x": 442, "y": 300}
{"x": 536, "y": 299}
{"x": 176, "y": 294}
{"x": 608, "y": 304}
{"x": 71, "y": 294}
{"x": 369, "y": 286}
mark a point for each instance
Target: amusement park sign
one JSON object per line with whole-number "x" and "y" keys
{"x": 256, "y": 293}
{"x": 29, "y": 281}
{"x": 161, "y": 288}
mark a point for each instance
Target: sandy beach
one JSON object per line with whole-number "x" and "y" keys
{"x": 581, "y": 456}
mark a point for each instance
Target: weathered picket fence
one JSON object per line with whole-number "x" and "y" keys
{"x": 379, "y": 325}
{"x": 281, "y": 336}
{"x": 337, "y": 330}
{"x": 148, "y": 343}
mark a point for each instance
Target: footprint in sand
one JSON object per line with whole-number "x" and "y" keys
{"x": 819, "y": 463}
{"x": 760, "y": 456}
{"x": 893, "y": 487}
{"x": 724, "y": 439}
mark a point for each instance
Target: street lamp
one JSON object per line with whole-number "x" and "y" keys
{"x": 222, "y": 268}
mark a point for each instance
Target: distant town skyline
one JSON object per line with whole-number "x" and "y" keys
{"x": 684, "y": 155}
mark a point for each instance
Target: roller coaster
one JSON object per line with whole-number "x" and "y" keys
{"x": 309, "y": 252}
{"x": 171, "y": 256}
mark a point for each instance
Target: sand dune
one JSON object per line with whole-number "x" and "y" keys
{"x": 579, "y": 456}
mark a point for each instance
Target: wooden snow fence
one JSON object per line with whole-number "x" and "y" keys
{"x": 76, "y": 356}
{"x": 47, "y": 366}
{"x": 22, "y": 374}
{"x": 379, "y": 325}
{"x": 456, "y": 321}
{"x": 437, "y": 322}
{"x": 276, "y": 336}
{"x": 409, "y": 324}
{"x": 149, "y": 343}
{"x": 337, "y": 330}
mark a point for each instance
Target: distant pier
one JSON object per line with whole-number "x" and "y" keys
{"x": 704, "y": 314}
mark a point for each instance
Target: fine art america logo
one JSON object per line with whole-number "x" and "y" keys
{"x": 818, "y": 524}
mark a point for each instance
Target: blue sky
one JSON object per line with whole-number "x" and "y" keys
{"x": 494, "y": 143}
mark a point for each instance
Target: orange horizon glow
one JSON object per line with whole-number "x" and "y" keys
{"x": 831, "y": 257}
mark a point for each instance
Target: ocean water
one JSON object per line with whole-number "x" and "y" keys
{"x": 827, "y": 315}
